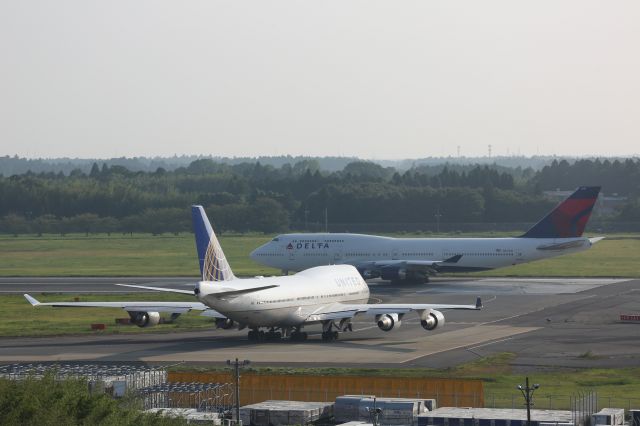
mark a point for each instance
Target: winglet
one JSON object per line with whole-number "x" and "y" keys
{"x": 478, "y": 303}
{"x": 453, "y": 259}
{"x": 31, "y": 300}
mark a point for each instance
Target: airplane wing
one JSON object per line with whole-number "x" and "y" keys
{"x": 218, "y": 291}
{"x": 173, "y": 307}
{"x": 343, "y": 311}
{"x": 169, "y": 290}
{"x": 427, "y": 267}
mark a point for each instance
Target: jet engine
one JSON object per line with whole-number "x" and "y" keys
{"x": 393, "y": 273}
{"x": 432, "y": 320}
{"x": 386, "y": 322}
{"x": 225, "y": 323}
{"x": 145, "y": 319}
{"x": 368, "y": 273}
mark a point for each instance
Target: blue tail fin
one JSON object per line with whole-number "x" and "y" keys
{"x": 569, "y": 218}
{"x": 213, "y": 264}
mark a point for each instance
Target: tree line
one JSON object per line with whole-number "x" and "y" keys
{"x": 254, "y": 197}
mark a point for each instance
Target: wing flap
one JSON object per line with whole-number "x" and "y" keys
{"x": 331, "y": 316}
{"x": 340, "y": 311}
{"x": 427, "y": 266}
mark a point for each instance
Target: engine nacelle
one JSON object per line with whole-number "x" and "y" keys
{"x": 386, "y": 322}
{"x": 225, "y": 323}
{"x": 393, "y": 273}
{"x": 145, "y": 319}
{"x": 432, "y": 320}
{"x": 368, "y": 273}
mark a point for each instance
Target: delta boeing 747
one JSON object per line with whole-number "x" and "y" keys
{"x": 415, "y": 259}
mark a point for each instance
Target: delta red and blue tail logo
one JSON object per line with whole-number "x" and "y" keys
{"x": 569, "y": 218}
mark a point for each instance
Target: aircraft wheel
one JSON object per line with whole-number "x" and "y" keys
{"x": 253, "y": 336}
{"x": 329, "y": 336}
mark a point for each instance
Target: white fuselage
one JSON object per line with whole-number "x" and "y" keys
{"x": 295, "y": 298}
{"x": 296, "y": 252}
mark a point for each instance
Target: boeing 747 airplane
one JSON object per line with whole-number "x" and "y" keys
{"x": 415, "y": 259}
{"x": 328, "y": 295}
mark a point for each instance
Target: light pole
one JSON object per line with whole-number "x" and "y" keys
{"x": 237, "y": 364}
{"x": 527, "y": 393}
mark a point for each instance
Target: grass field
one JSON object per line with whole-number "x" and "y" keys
{"x": 145, "y": 255}
{"x": 137, "y": 255}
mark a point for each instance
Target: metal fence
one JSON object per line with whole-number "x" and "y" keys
{"x": 207, "y": 397}
{"x": 134, "y": 376}
{"x": 561, "y": 402}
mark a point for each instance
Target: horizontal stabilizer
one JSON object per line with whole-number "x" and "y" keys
{"x": 562, "y": 246}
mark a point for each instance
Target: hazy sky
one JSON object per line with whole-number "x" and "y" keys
{"x": 393, "y": 79}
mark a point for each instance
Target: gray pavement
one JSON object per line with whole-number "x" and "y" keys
{"x": 547, "y": 323}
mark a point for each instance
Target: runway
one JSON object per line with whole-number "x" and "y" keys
{"x": 547, "y": 323}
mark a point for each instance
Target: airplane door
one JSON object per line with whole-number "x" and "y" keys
{"x": 394, "y": 254}
{"x": 291, "y": 252}
{"x": 337, "y": 256}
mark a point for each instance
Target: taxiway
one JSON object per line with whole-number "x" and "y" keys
{"x": 546, "y": 322}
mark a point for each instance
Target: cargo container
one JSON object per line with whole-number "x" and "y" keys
{"x": 394, "y": 411}
{"x": 608, "y": 416}
{"x": 453, "y": 416}
{"x": 285, "y": 412}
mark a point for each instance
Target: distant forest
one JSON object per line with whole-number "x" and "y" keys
{"x": 301, "y": 195}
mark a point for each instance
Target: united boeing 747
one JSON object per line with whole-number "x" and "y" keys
{"x": 275, "y": 307}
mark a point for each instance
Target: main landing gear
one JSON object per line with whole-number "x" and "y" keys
{"x": 256, "y": 335}
{"x": 329, "y": 336}
{"x": 328, "y": 333}
{"x": 298, "y": 336}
